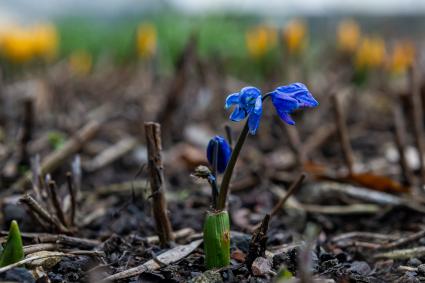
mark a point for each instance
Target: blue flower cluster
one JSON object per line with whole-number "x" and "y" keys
{"x": 286, "y": 99}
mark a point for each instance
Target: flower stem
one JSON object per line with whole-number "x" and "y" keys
{"x": 217, "y": 239}
{"x": 224, "y": 188}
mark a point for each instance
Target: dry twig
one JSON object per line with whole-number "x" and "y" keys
{"x": 156, "y": 177}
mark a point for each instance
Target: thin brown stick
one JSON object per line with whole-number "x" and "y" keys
{"x": 56, "y": 202}
{"x": 156, "y": 177}
{"x": 402, "y": 254}
{"x": 400, "y": 141}
{"x": 417, "y": 118}
{"x": 30, "y": 249}
{"x": 65, "y": 240}
{"x": 294, "y": 186}
{"x": 343, "y": 134}
{"x": 27, "y": 129}
{"x": 404, "y": 240}
{"x": 73, "y": 197}
{"x": 363, "y": 235}
{"x": 43, "y": 214}
{"x": 35, "y": 168}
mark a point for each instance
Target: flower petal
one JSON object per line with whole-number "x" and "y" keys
{"x": 285, "y": 117}
{"x": 300, "y": 92}
{"x": 238, "y": 114}
{"x": 223, "y": 152}
{"x": 254, "y": 122}
{"x": 258, "y": 106}
{"x": 248, "y": 97}
{"x": 232, "y": 99}
{"x": 255, "y": 116}
{"x": 283, "y": 102}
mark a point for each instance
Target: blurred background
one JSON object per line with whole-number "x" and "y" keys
{"x": 175, "y": 62}
{"x": 250, "y": 37}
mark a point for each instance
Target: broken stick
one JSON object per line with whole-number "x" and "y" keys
{"x": 400, "y": 141}
{"x": 156, "y": 178}
{"x": 417, "y": 118}
{"x": 343, "y": 134}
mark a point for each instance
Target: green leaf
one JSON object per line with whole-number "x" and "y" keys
{"x": 284, "y": 275}
{"x": 56, "y": 139}
{"x": 13, "y": 251}
{"x": 217, "y": 239}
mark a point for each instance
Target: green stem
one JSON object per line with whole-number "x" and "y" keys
{"x": 217, "y": 239}
{"x": 224, "y": 188}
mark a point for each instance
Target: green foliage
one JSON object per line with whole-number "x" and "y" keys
{"x": 56, "y": 139}
{"x": 219, "y": 36}
{"x": 284, "y": 275}
{"x": 13, "y": 250}
{"x": 217, "y": 239}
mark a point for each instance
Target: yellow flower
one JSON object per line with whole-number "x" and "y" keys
{"x": 20, "y": 44}
{"x": 370, "y": 53}
{"x": 80, "y": 62}
{"x": 348, "y": 36}
{"x": 17, "y": 45}
{"x": 45, "y": 40}
{"x": 402, "y": 57}
{"x": 295, "y": 36}
{"x": 260, "y": 40}
{"x": 146, "y": 38}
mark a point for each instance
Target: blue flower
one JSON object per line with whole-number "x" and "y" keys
{"x": 289, "y": 98}
{"x": 224, "y": 152}
{"x": 248, "y": 103}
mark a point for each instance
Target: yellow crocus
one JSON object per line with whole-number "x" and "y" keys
{"x": 260, "y": 40}
{"x": 146, "y": 38}
{"x": 17, "y": 45}
{"x": 295, "y": 36}
{"x": 348, "y": 36}
{"x": 370, "y": 54}
{"x": 45, "y": 39}
{"x": 402, "y": 57}
{"x": 80, "y": 62}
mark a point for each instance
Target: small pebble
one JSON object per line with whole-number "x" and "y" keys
{"x": 414, "y": 262}
{"x": 261, "y": 266}
{"x": 421, "y": 269}
{"x": 360, "y": 267}
{"x": 18, "y": 274}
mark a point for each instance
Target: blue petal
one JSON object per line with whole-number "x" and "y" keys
{"x": 300, "y": 92}
{"x": 254, "y": 122}
{"x": 285, "y": 117}
{"x": 258, "y": 106}
{"x": 248, "y": 97}
{"x": 232, "y": 99}
{"x": 292, "y": 88}
{"x": 283, "y": 102}
{"x": 223, "y": 154}
{"x": 255, "y": 116}
{"x": 238, "y": 114}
